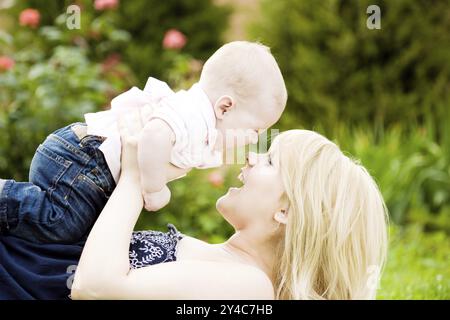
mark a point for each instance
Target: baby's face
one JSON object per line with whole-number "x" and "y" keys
{"x": 242, "y": 127}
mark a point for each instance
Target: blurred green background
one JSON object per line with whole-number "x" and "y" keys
{"x": 382, "y": 95}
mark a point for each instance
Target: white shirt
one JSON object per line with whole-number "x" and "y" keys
{"x": 189, "y": 114}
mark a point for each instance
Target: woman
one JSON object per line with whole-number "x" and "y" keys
{"x": 310, "y": 224}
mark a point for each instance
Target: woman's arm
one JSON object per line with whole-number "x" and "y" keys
{"x": 187, "y": 279}
{"x": 104, "y": 269}
{"x": 105, "y": 255}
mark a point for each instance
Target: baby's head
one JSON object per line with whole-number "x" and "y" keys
{"x": 246, "y": 88}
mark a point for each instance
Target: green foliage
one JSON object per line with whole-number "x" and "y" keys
{"x": 417, "y": 265}
{"x": 201, "y": 21}
{"x": 336, "y": 69}
{"x": 411, "y": 169}
{"x": 146, "y": 23}
{"x": 39, "y": 96}
{"x": 53, "y": 83}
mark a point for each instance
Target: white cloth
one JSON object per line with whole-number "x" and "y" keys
{"x": 188, "y": 113}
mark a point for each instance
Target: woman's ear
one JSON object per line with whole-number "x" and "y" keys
{"x": 281, "y": 216}
{"x": 223, "y": 105}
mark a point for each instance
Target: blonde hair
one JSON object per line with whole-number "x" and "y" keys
{"x": 335, "y": 240}
{"x": 248, "y": 72}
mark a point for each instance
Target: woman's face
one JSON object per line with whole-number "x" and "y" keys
{"x": 262, "y": 192}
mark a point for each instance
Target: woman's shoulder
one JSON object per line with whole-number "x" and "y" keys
{"x": 210, "y": 261}
{"x": 258, "y": 279}
{"x": 230, "y": 280}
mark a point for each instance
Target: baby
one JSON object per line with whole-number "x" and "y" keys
{"x": 240, "y": 93}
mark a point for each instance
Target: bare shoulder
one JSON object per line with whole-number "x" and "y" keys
{"x": 258, "y": 280}
{"x": 239, "y": 280}
{"x": 214, "y": 268}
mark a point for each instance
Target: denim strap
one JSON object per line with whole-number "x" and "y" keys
{"x": 3, "y": 206}
{"x": 2, "y": 184}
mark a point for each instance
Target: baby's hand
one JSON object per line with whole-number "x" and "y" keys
{"x": 156, "y": 200}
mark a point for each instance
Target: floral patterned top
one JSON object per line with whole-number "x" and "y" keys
{"x": 50, "y": 279}
{"x": 153, "y": 247}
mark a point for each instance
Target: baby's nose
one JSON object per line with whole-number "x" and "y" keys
{"x": 252, "y": 158}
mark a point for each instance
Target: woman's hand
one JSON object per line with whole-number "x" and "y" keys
{"x": 130, "y": 127}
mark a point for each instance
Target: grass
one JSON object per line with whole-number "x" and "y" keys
{"x": 417, "y": 265}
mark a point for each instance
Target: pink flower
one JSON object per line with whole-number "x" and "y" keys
{"x": 105, "y": 4}
{"x": 6, "y": 63}
{"x": 29, "y": 17}
{"x": 110, "y": 62}
{"x": 216, "y": 178}
{"x": 174, "y": 39}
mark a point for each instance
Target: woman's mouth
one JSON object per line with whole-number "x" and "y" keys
{"x": 241, "y": 177}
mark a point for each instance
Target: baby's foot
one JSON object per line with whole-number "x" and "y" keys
{"x": 156, "y": 200}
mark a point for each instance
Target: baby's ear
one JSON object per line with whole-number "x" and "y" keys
{"x": 223, "y": 105}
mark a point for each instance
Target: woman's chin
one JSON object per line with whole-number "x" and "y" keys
{"x": 226, "y": 200}
{"x": 225, "y": 196}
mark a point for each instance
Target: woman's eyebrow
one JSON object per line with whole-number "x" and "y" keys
{"x": 270, "y": 155}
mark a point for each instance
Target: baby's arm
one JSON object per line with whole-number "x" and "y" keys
{"x": 154, "y": 149}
